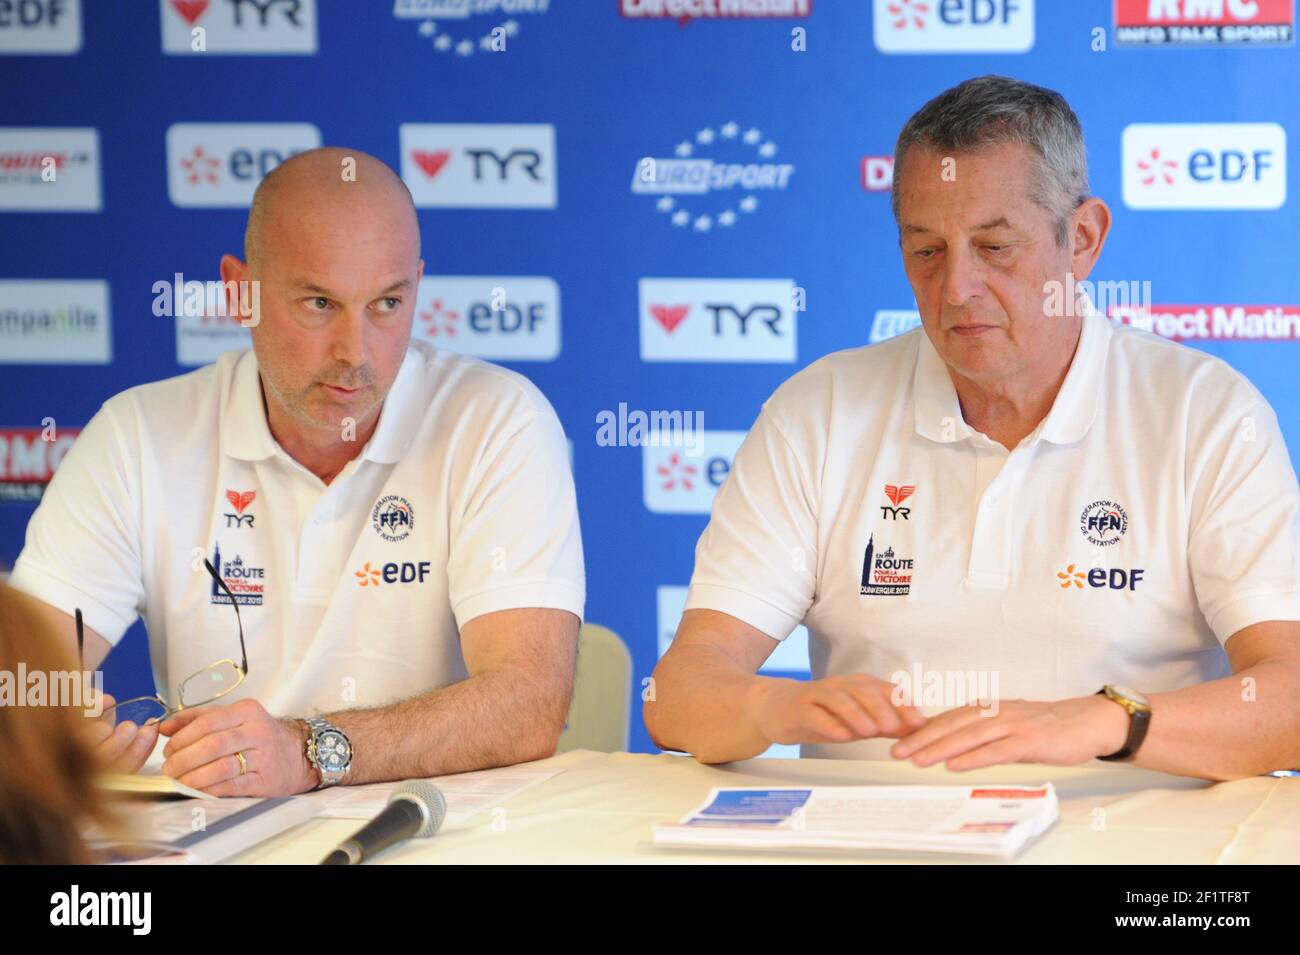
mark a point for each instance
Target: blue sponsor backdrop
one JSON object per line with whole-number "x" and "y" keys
{"x": 617, "y": 88}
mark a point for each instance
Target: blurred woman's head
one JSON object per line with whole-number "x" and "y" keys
{"x": 47, "y": 791}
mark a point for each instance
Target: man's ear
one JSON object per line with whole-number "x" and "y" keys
{"x": 233, "y": 272}
{"x": 233, "y": 269}
{"x": 1089, "y": 226}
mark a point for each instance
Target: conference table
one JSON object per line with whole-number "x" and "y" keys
{"x": 602, "y": 806}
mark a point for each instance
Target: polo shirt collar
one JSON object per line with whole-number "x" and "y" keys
{"x": 246, "y": 435}
{"x": 938, "y": 412}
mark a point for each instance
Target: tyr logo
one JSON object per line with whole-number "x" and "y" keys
{"x": 240, "y": 500}
{"x": 528, "y": 159}
{"x": 897, "y": 495}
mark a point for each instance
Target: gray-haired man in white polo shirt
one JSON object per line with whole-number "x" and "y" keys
{"x": 362, "y": 554}
{"x": 1094, "y": 530}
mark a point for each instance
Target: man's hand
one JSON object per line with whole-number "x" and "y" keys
{"x": 1060, "y": 733}
{"x": 204, "y": 740}
{"x": 836, "y": 709}
{"x": 123, "y": 748}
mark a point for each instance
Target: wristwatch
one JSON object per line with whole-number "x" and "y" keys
{"x": 329, "y": 750}
{"x": 1138, "y": 708}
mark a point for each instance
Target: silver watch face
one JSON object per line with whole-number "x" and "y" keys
{"x": 333, "y": 751}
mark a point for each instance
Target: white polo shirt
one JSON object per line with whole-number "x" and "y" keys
{"x": 1150, "y": 516}
{"x": 351, "y": 594}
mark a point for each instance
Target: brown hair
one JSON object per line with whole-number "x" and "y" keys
{"x": 47, "y": 789}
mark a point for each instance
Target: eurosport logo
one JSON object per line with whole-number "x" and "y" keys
{"x": 467, "y": 165}
{"x": 1180, "y": 323}
{"x": 51, "y": 169}
{"x": 954, "y": 26}
{"x": 220, "y": 165}
{"x": 497, "y": 317}
{"x": 28, "y": 459}
{"x": 718, "y": 320}
{"x": 1148, "y": 23}
{"x": 714, "y": 178}
{"x": 1204, "y": 165}
{"x": 789, "y": 656}
{"x": 196, "y": 27}
{"x": 684, "y": 11}
{"x": 37, "y": 27}
{"x": 463, "y": 27}
{"x": 891, "y": 322}
{"x": 54, "y": 322}
{"x": 674, "y": 482}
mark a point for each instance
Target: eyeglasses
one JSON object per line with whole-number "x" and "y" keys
{"x": 204, "y": 686}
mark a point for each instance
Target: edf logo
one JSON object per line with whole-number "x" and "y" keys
{"x": 40, "y": 26}
{"x": 219, "y": 165}
{"x": 497, "y": 317}
{"x": 1204, "y": 165}
{"x": 677, "y": 481}
{"x": 1098, "y": 578}
{"x": 954, "y": 26}
{"x": 393, "y": 572}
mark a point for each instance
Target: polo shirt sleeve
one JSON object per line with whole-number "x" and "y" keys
{"x": 516, "y": 542}
{"x": 83, "y": 542}
{"x": 757, "y": 559}
{"x": 1244, "y": 531}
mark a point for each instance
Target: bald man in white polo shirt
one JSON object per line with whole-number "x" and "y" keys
{"x": 1016, "y": 534}
{"x": 394, "y": 525}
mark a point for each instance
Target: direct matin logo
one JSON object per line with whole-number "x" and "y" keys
{"x": 744, "y": 169}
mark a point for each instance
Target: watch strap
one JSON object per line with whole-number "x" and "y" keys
{"x": 1139, "y": 721}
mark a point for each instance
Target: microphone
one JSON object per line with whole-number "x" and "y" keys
{"x": 416, "y": 809}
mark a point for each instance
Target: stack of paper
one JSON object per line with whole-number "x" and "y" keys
{"x": 200, "y": 830}
{"x": 147, "y": 786}
{"x": 976, "y": 820}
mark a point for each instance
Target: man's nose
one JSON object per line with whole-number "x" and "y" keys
{"x": 962, "y": 279}
{"x": 349, "y": 342}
